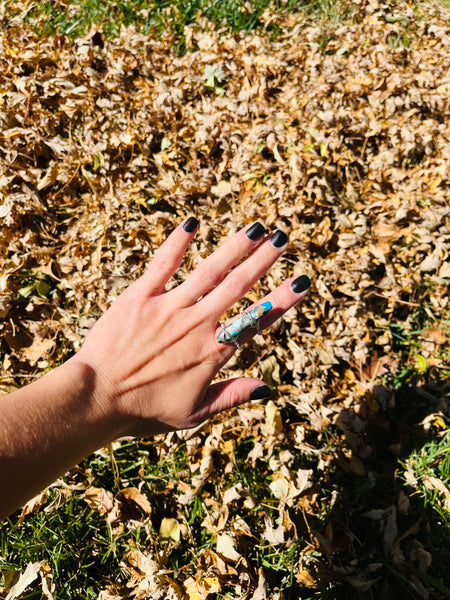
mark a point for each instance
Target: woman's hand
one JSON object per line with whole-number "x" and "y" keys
{"x": 147, "y": 365}
{"x": 154, "y": 353}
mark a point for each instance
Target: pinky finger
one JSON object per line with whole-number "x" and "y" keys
{"x": 168, "y": 257}
{"x": 285, "y": 297}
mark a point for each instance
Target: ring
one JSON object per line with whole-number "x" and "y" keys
{"x": 230, "y": 333}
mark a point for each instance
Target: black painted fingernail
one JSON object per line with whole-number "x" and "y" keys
{"x": 190, "y": 225}
{"x": 255, "y": 231}
{"x": 263, "y": 391}
{"x": 279, "y": 238}
{"x": 301, "y": 284}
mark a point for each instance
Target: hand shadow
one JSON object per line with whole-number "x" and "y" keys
{"x": 382, "y": 540}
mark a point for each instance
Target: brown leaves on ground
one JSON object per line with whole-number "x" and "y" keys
{"x": 338, "y": 133}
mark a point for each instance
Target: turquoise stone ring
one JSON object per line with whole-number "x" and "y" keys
{"x": 230, "y": 333}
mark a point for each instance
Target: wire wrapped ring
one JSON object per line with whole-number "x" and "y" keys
{"x": 229, "y": 334}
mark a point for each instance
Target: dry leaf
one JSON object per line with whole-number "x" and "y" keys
{"x": 305, "y": 578}
{"x": 273, "y": 424}
{"x": 362, "y": 585}
{"x": 135, "y": 496}
{"x": 37, "y": 350}
{"x": 99, "y": 499}
{"x": 222, "y": 189}
{"x": 275, "y": 536}
{"x": 49, "y": 177}
{"x": 270, "y": 371}
{"x": 200, "y": 590}
{"x": 280, "y": 488}
{"x": 225, "y": 547}
{"x": 30, "y": 574}
{"x": 170, "y": 530}
{"x": 34, "y": 504}
{"x": 433, "y": 483}
{"x": 260, "y": 591}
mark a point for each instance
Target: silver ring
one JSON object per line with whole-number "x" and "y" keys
{"x": 229, "y": 334}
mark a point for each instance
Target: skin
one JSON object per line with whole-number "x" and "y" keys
{"x": 146, "y": 366}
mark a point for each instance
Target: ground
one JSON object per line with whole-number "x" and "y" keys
{"x": 335, "y": 130}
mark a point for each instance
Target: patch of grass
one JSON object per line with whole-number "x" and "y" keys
{"x": 77, "y": 543}
{"x": 420, "y": 340}
{"x": 74, "y": 541}
{"x": 424, "y": 475}
{"x": 398, "y": 530}
{"x": 75, "y": 17}
{"x": 83, "y": 553}
{"x": 427, "y": 470}
{"x": 400, "y": 490}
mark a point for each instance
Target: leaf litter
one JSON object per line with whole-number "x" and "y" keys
{"x": 337, "y": 133}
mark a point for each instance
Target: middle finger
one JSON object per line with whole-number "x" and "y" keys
{"x": 216, "y": 266}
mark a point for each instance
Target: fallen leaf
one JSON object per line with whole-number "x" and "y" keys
{"x": 280, "y": 488}
{"x": 222, "y": 189}
{"x": 137, "y": 497}
{"x": 170, "y": 530}
{"x": 275, "y": 536}
{"x": 200, "y": 590}
{"x": 260, "y": 591}
{"x": 37, "y": 350}
{"x": 273, "y": 424}
{"x": 99, "y": 499}
{"x": 225, "y": 547}
{"x": 30, "y": 574}
{"x": 305, "y": 578}
{"x": 34, "y": 504}
{"x": 360, "y": 584}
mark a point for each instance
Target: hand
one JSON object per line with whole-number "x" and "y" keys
{"x": 154, "y": 353}
{"x": 146, "y": 366}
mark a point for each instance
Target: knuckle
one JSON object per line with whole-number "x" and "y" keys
{"x": 234, "y": 285}
{"x": 235, "y": 246}
{"x": 234, "y": 397}
{"x": 164, "y": 261}
{"x": 207, "y": 276}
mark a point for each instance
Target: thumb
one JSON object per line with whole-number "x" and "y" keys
{"x": 233, "y": 392}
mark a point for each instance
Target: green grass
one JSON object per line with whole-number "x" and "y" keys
{"x": 81, "y": 549}
{"x": 427, "y": 466}
{"x": 415, "y": 323}
{"x": 162, "y": 16}
{"x": 74, "y": 541}
{"x": 84, "y": 553}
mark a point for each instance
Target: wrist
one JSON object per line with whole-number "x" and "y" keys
{"x": 100, "y": 399}
{"x": 87, "y": 400}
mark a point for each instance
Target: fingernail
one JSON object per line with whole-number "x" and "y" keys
{"x": 190, "y": 225}
{"x": 263, "y": 391}
{"x": 255, "y": 231}
{"x": 279, "y": 239}
{"x": 300, "y": 284}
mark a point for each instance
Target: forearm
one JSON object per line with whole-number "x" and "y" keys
{"x": 46, "y": 428}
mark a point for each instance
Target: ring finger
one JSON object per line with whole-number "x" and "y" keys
{"x": 237, "y": 283}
